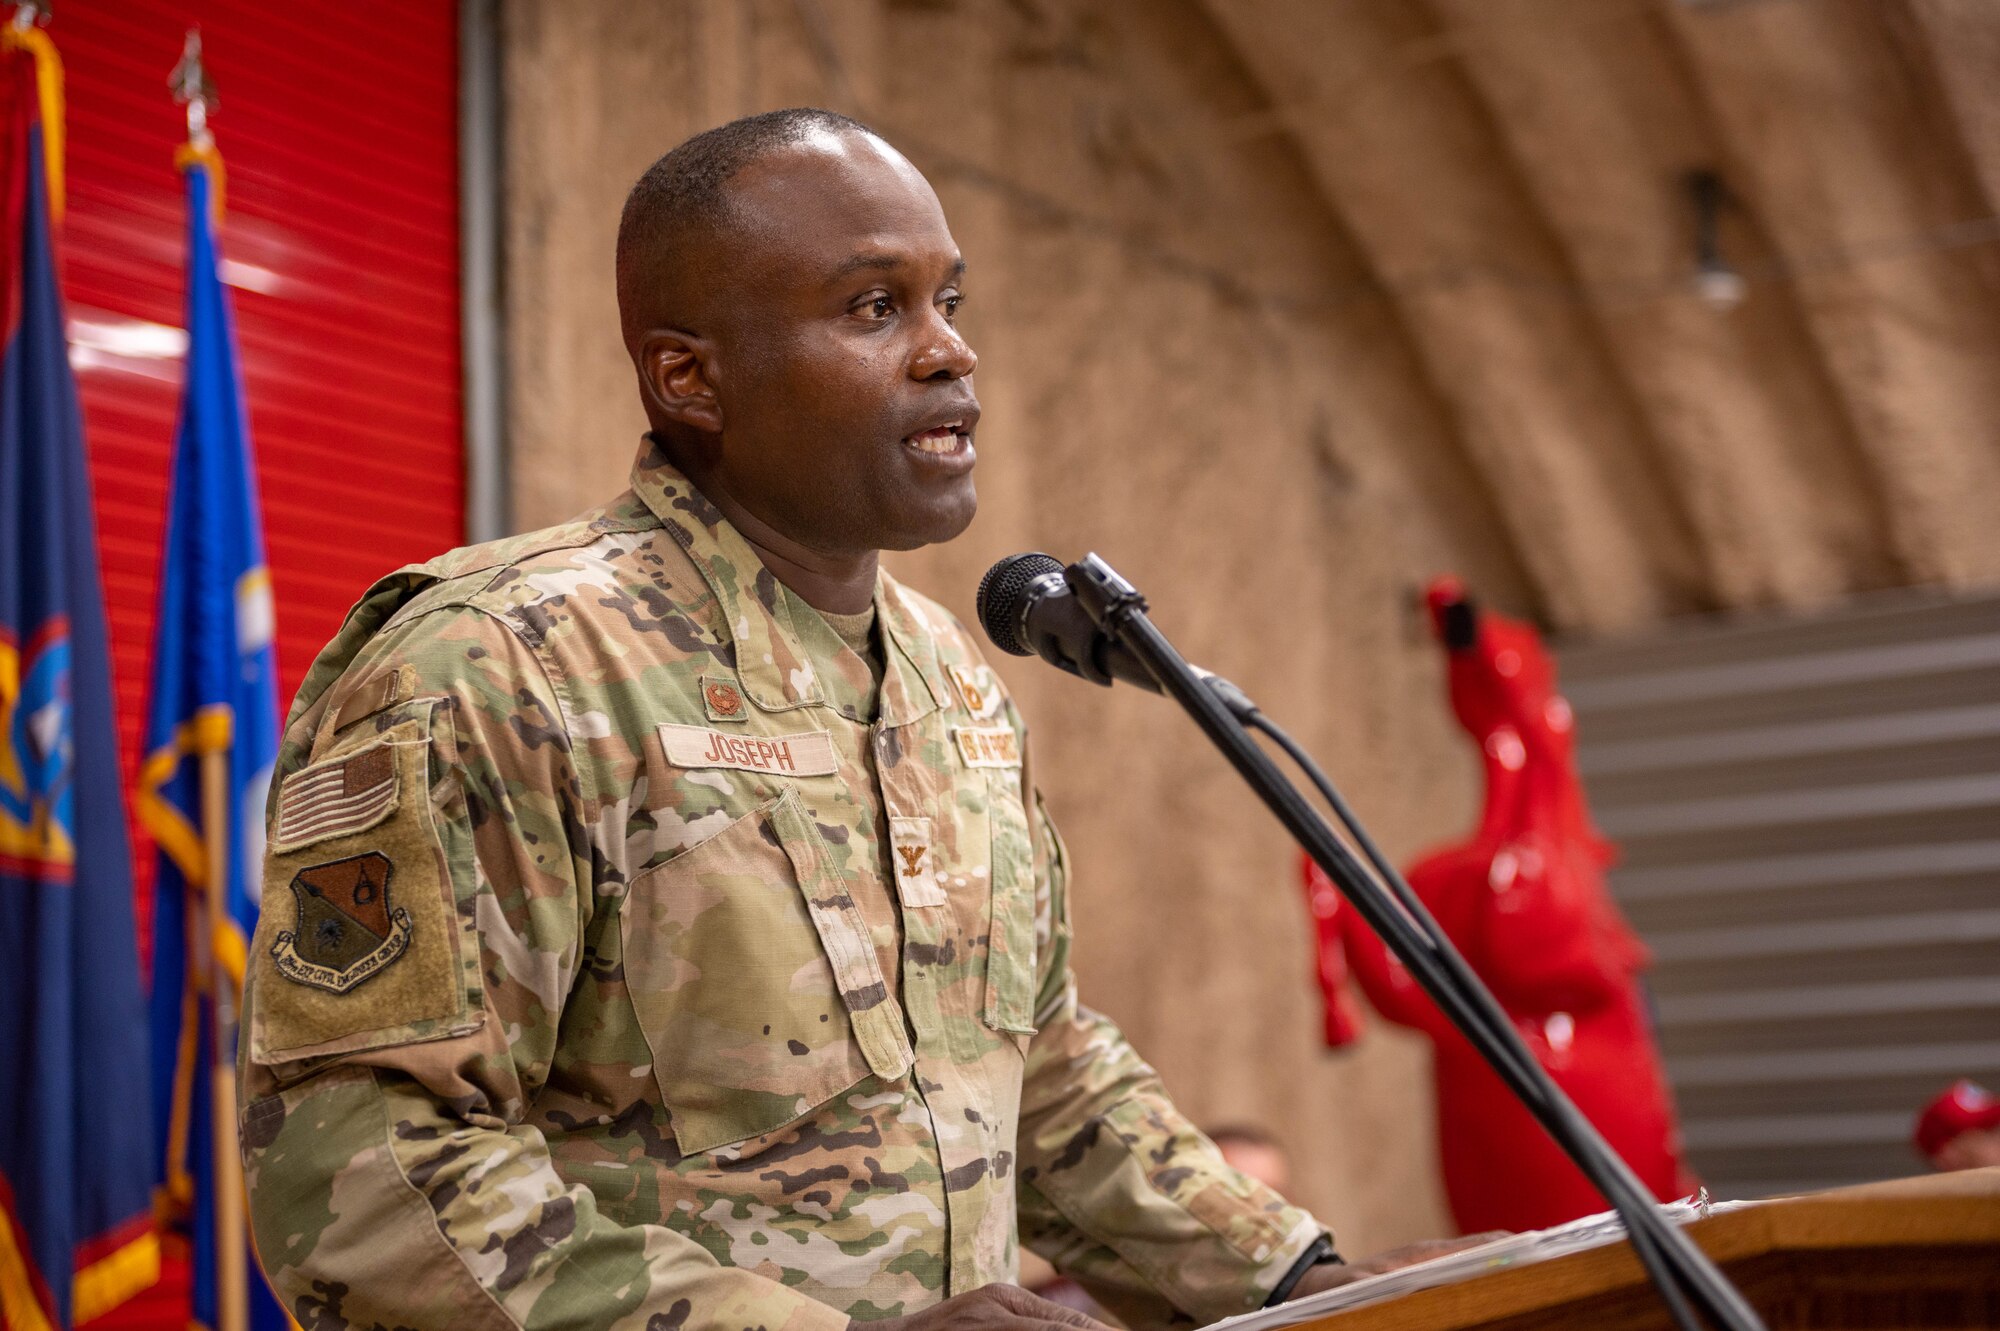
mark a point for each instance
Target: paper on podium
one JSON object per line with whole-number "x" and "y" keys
{"x": 1535, "y": 1245}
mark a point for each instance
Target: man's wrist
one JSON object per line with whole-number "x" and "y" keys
{"x": 1318, "y": 1253}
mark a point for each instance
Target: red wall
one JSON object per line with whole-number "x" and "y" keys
{"x": 338, "y": 125}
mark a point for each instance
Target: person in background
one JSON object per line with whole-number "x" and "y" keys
{"x": 1958, "y": 1130}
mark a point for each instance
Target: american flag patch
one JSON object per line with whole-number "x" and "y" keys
{"x": 337, "y": 796}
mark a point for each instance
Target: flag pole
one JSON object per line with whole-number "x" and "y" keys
{"x": 232, "y": 1284}
{"x": 191, "y": 86}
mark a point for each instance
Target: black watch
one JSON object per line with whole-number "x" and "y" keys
{"x": 1320, "y": 1253}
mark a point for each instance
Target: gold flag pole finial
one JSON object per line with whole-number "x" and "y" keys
{"x": 23, "y": 32}
{"x": 193, "y": 89}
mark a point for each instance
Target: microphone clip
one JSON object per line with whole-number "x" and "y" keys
{"x": 1079, "y": 619}
{"x": 1104, "y": 593}
{"x": 1113, "y": 603}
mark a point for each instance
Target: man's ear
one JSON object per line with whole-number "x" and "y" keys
{"x": 676, "y": 375}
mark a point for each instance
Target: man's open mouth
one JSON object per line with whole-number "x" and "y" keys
{"x": 940, "y": 439}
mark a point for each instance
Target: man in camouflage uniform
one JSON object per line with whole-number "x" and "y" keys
{"x": 649, "y": 939}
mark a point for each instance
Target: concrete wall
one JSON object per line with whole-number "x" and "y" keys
{"x": 1283, "y": 305}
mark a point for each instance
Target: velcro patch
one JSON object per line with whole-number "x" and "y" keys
{"x": 915, "y": 864}
{"x": 722, "y": 700}
{"x": 336, "y": 797}
{"x": 347, "y": 930}
{"x": 988, "y": 746}
{"x": 977, "y": 689}
{"x": 359, "y": 942}
{"x": 808, "y": 753}
{"x": 376, "y": 695}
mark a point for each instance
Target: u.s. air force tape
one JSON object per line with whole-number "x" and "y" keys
{"x": 988, "y": 746}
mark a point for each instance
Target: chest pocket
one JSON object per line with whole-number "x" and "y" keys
{"x": 1010, "y": 957}
{"x": 754, "y": 980}
{"x": 975, "y": 954}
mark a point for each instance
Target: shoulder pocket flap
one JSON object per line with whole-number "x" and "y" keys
{"x": 376, "y": 695}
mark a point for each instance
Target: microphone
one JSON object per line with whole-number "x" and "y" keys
{"x": 1027, "y": 608}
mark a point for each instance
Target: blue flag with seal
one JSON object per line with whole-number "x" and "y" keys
{"x": 76, "y": 1234}
{"x": 211, "y": 742}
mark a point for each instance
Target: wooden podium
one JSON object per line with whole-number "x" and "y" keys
{"x": 1920, "y": 1252}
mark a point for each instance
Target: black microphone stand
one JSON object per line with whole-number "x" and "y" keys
{"x": 1678, "y": 1267}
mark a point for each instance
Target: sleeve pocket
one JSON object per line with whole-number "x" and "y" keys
{"x": 358, "y": 944}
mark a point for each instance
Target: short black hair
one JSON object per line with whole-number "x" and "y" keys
{"x": 684, "y": 191}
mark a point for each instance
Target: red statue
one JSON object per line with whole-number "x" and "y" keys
{"x": 1525, "y": 900}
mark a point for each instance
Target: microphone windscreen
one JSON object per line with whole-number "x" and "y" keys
{"x": 1003, "y": 596}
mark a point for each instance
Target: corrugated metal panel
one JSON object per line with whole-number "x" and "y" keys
{"x": 339, "y": 127}
{"x": 1810, "y": 815}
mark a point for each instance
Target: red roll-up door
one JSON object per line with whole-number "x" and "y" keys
{"x": 339, "y": 128}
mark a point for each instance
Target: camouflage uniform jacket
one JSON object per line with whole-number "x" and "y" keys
{"x": 614, "y": 971}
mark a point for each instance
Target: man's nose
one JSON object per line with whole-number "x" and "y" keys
{"x": 944, "y": 354}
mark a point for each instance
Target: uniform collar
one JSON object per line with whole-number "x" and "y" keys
{"x": 915, "y": 684}
{"x": 774, "y": 669}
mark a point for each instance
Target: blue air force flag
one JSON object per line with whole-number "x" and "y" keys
{"x": 214, "y": 696}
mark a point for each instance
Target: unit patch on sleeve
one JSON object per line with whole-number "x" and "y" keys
{"x": 988, "y": 746}
{"x": 346, "y": 929}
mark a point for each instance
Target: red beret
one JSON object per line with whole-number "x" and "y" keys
{"x": 1966, "y": 1107}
